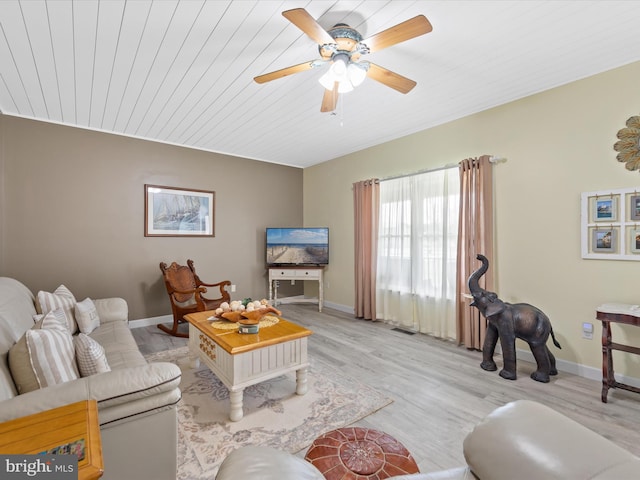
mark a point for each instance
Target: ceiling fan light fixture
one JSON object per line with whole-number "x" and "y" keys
{"x": 338, "y": 72}
{"x": 327, "y": 80}
{"x": 345, "y": 87}
{"x": 339, "y": 67}
{"x": 357, "y": 73}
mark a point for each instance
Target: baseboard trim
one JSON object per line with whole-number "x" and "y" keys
{"x": 339, "y": 307}
{"x": 295, "y": 299}
{"x": 145, "y": 322}
{"x": 585, "y": 371}
{"x": 303, "y": 299}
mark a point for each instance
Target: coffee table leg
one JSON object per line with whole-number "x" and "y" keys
{"x": 194, "y": 361}
{"x": 301, "y": 381}
{"x": 235, "y": 400}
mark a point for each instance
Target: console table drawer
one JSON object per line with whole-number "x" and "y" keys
{"x": 295, "y": 273}
{"x": 314, "y": 273}
{"x": 274, "y": 273}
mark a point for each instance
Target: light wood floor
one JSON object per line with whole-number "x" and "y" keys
{"x": 439, "y": 390}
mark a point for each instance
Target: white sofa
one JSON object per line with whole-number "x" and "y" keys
{"x": 521, "y": 440}
{"x": 136, "y": 400}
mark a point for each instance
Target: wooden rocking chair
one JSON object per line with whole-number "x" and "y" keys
{"x": 185, "y": 291}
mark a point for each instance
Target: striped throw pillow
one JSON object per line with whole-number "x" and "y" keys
{"x": 55, "y": 319}
{"x": 90, "y": 356}
{"x": 52, "y": 355}
{"x": 60, "y": 298}
{"x": 22, "y": 371}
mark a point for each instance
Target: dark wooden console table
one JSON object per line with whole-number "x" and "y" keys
{"x": 616, "y": 313}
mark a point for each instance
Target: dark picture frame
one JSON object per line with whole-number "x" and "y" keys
{"x": 178, "y": 212}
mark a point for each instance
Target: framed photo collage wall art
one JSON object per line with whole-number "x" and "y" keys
{"x": 611, "y": 224}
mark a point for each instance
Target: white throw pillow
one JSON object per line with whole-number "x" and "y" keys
{"x": 87, "y": 316}
{"x": 52, "y": 354}
{"x": 60, "y": 298}
{"x": 90, "y": 356}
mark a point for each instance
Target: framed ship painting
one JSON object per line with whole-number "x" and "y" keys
{"x": 178, "y": 212}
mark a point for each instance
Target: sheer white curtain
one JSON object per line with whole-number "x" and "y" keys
{"x": 417, "y": 252}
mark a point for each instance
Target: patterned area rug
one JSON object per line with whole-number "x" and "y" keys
{"x": 273, "y": 414}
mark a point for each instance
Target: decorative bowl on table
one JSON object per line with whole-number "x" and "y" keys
{"x": 247, "y": 309}
{"x": 259, "y": 313}
{"x": 232, "y": 316}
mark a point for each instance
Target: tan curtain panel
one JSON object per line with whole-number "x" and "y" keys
{"x": 366, "y": 206}
{"x": 475, "y": 235}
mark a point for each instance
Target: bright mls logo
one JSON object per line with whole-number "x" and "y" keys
{"x": 51, "y": 467}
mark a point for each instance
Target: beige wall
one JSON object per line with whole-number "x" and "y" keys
{"x": 73, "y": 206}
{"x": 558, "y": 144}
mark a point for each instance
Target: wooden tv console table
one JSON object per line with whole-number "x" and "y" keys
{"x": 294, "y": 273}
{"x": 616, "y": 313}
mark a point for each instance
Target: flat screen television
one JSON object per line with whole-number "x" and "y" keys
{"x": 298, "y": 246}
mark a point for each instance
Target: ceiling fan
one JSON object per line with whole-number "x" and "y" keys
{"x": 342, "y": 47}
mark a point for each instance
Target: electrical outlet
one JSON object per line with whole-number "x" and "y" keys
{"x": 587, "y": 330}
{"x": 233, "y": 288}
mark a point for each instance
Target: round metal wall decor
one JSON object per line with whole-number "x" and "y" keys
{"x": 628, "y": 144}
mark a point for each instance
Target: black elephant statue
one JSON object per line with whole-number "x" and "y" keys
{"x": 510, "y": 321}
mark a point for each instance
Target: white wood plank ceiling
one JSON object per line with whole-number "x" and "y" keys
{"x": 181, "y": 71}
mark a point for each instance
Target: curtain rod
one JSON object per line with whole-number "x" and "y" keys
{"x": 428, "y": 170}
{"x": 493, "y": 159}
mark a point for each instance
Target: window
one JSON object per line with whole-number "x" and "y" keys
{"x": 417, "y": 243}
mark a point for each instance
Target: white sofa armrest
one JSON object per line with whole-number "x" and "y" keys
{"x": 129, "y": 386}
{"x": 44, "y": 399}
{"x": 526, "y": 436}
{"x": 266, "y": 463}
{"x": 112, "y": 309}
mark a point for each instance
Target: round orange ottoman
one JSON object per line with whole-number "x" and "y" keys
{"x": 355, "y": 453}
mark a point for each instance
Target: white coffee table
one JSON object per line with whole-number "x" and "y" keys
{"x": 240, "y": 360}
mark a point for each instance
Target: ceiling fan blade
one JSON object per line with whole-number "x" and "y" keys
{"x": 414, "y": 27}
{"x": 305, "y": 22}
{"x": 330, "y": 99}
{"x": 267, "y": 77}
{"x": 390, "y": 79}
